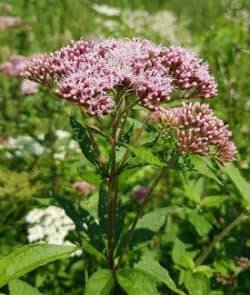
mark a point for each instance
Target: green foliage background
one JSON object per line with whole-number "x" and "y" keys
{"x": 219, "y": 31}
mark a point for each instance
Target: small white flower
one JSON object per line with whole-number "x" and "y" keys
{"x": 73, "y": 145}
{"x": 61, "y": 134}
{"x": 34, "y": 216}
{"x": 50, "y": 224}
{"x": 59, "y": 156}
{"x": 106, "y": 10}
{"x": 35, "y": 233}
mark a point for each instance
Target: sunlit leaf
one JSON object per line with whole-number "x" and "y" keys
{"x": 199, "y": 222}
{"x": 196, "y": 283}
{"x": 154, "y": 220}
{"x": 100, "y": 283}
{"x": 204, "y": 167}
{"x": 28, "y": 258}
{"x": 179, "y": 252}
{"x": 213, "y": 201}
{"x": 145, "y": 155}
{"x": 134, "y": 281}
{"x": 18, "y": 287}
{"x": 238, "y": 180}
{"x": 152, "y": 268}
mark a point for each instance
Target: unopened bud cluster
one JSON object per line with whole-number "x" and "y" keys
{"x": 199, "y": 131}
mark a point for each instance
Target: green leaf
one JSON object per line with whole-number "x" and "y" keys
{"x": 28, "y": 258}
{"x": 205, "y": 269}
{"x": 136, "y": 282}
{"x": 154, "y": 220}
{"x": 199, "y": 222}
{"x": 179, "y": 252}
{"x": 152, "y": 268}
{"x": 80, "y": 216}
{"x": 100, "y": 283}
{"x": 18, "y": 287}
{"x": 91, "y": 177}
{"x": 213, "y": 201}
{"x": 241, "y": 184}
{"x": 84, "y": 140}
{"x": 145, "y": 155}
{"x": 204, "y": 167}
{"x": 196, "y": 283}
{"x": 192, "y": 189}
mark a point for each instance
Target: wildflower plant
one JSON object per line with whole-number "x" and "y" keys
{"x": 136, "y": 102}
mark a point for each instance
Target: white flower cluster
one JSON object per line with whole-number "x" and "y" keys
{"x": 236, "y": 12}
{"x": 106, "y": 10}
{"x": 163, "y": 24}
{"x": 50, "y": 224}
{"x": 23, "y": 146}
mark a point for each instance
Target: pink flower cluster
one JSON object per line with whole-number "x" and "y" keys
{"x": 6, "y": 6}
{"x": 83, "y": 187}
{"x": 9, "y": 21}
{"x": 87, "y": 73}
{"x": 15, "y": 68}
{"x": 139, "y": 194}
{"x": 199, "y": 131}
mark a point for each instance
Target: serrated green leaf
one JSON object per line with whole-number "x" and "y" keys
{"x": 196, "y": 283}
{"x": 238, "y": 180}
{"x": 204, "y": 167}
{"x": 18, "y": 287}
{"x": 100, "y": 283}
{"x": 81, "y": 216}
{"x": 134, "y": 281}
{"x": 28, "y": 258}
{"x": 145, "y": 155}
{"x": 83, "y": 138}
{"x": 213, "y": 201}
{"x": 152, "y": 268}
{"x": 199, "y": 222}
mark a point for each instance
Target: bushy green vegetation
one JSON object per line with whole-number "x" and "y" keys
{"x": 192, "y": 205}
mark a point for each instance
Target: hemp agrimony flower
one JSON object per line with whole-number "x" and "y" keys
{"x": 87, "y": 73}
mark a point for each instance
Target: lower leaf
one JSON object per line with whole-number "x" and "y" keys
{"x": 136, "y": 282}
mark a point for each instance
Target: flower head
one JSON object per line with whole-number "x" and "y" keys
{"x": 140, "y": 193}
{"x": 9, "y": 21}
{"x": 50, "y": 223}
{"x": 15, "y": 66}
{"x": 83, "y": 187}
{"x": 199, "y": 131}
{"x": 87, "y": 73}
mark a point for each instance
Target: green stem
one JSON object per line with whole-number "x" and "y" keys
{"x": 113, "y": 183}
{"x": 111, "y": 199}
{"x": 137, "y": 217}
{"x": 221, "y": 236}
